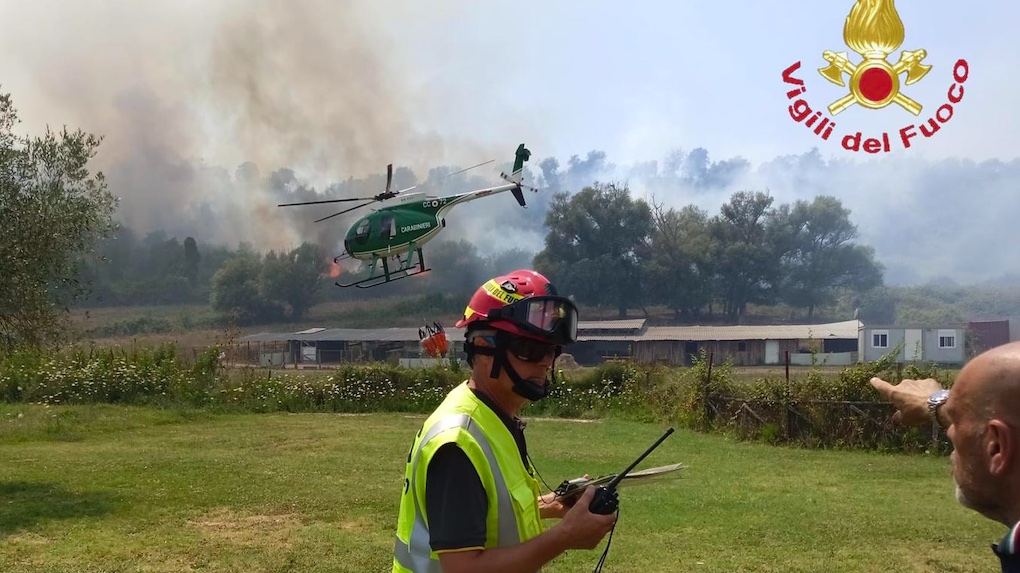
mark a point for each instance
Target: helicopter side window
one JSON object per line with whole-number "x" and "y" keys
{"x": 387, "y": 227}
{"x": 361, "y": 233}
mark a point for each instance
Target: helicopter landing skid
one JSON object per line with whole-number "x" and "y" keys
{"x": 405, "y": 269}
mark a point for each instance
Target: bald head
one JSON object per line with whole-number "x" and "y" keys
{"x": 984, "y": 406}
{"x": 989, "y": 385}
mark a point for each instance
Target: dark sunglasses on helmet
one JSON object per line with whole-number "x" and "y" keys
{"x": 528, "y": 350}
{"x": 551, "y": 317}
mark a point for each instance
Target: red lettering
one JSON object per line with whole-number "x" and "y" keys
{"x": 949, "y": 111}
{"x": 872, "y": 145}
{"x": 799, "y": 110}
{"x": 955, "y": 98}
{"x": 905, "y": 134}
{"x": 934, "y": 128}
{"x": 852, "y": 142}
{"x": 788, "y": 74}
{"x": 957, "y": 75}
{"x": 828, "y": 131}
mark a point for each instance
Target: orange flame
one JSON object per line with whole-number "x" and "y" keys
{"x": 334, "y": 269}
{"x": 873, "y": 28}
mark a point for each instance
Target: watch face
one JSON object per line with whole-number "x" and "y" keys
{"x": 938, "y": 397}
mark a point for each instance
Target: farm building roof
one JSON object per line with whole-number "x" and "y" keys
{"x": 622, "y": 330}
{"x": 633, "y": 324}
{"x": 839, "y": 330}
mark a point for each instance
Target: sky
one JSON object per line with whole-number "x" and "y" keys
{"x": 186, "y": 92}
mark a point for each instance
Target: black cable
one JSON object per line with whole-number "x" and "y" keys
{"x": 532, "y": 462}
{"x": 605, "y": 552}
{"x": 602, "y": 560}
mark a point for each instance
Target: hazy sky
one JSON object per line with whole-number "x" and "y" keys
{"x": 336, "y": 89}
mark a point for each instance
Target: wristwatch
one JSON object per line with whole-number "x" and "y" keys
{"x": 937, "y": 399}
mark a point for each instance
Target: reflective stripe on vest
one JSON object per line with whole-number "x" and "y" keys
{"x": 415, "y": 555}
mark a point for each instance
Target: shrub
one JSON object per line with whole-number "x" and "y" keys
{"x": 812, "y": 409}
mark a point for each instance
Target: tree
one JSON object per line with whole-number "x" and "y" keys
{"x": 818, "y": 255}
{"x": 191, "y": 260}
{"x": 236, "y": 290}
{"x": 743, "y": 252}
{"x": 510, "y": 260}
{"x": 293, "y": 278}
{"x": 680, "y": 270}
{"x": 596, "y": 246}
{"x": 53, "y": 211}
{"x": 457, "y": 269}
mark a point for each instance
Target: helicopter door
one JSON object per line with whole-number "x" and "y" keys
{"x": 387, "y": 227}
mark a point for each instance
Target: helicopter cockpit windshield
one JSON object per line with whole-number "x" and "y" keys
{"x": 361, "y": 233}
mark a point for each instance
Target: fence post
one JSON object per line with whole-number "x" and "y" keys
{"x": 707, "y": 392}
{"x": 787, "y": 414}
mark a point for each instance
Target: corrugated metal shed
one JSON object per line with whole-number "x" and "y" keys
{"x": 842, "y": 330}
{"x": 616, "y": 325}
{"x": 348, "y": 335}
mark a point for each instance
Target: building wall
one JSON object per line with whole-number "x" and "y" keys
{"x": 989, "y": 334}
{"x": 869, "y": 352}
{"x": 929, "y": 348}
{"x": 659, "y": 352}
{"x": 594, "y": 352}
{"x": 679, "y": 352}
{"x": 934, "y": 353}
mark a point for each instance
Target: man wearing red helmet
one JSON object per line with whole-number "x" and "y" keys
{"x": 470, "y": 500}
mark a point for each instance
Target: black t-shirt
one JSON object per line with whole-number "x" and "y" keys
{"x": 455, "y": 500}
{"x": 1008, "y": 550}
{"x": 1010, "y": 562}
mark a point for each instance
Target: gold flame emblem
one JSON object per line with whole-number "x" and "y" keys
{"x": 874, "y": 30}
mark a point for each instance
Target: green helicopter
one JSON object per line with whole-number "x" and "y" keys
{"x": 391, "y": 236}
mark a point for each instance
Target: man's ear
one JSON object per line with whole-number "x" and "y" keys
{"x": 1001, "y": 447}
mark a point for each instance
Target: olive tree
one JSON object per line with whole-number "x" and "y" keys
{"x": 52, "y": 212}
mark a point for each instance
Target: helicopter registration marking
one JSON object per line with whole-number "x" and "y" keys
{"x": 416, "y": 227}
{"x": 434, "y": 203}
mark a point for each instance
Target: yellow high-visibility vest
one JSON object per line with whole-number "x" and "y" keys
{"x": 512, "y": 493}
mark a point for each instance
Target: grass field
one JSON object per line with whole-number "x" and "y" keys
{"x": 108, "y": 488}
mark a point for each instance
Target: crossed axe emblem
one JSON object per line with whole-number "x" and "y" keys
{"x": 880, "y": 80}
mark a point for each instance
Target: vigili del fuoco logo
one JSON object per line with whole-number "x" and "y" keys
{"x": 874, "y": 30}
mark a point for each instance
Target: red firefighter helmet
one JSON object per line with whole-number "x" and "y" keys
{"x": 523, "y": 303}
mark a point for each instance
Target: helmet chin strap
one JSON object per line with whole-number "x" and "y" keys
{"x": 524, "y": 388}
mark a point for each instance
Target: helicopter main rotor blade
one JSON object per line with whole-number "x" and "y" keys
{"x": 389, "y": 177}
{"x": 327, "y": 201}
{"x": 465, "y": 169}
{"x": 344, "y": 211}
{"x": 404, "y": 190}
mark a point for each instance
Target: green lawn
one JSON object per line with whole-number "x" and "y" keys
{"x": 110, "y": 488}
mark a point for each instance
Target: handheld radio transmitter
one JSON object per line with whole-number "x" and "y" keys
{"x": 606, "y": 500}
